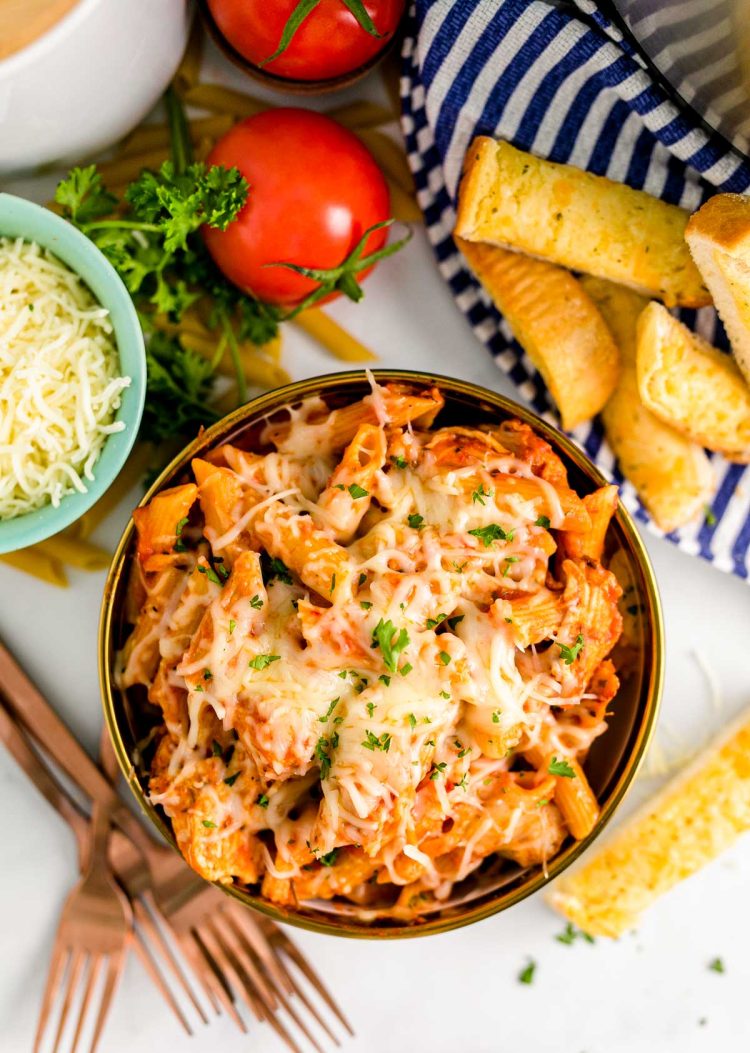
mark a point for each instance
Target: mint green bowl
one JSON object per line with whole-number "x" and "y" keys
{"x": 21, "y": 218}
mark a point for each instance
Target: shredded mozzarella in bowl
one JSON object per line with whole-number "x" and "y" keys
{"x": 60, "y": 386}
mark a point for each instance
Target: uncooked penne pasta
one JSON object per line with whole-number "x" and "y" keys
{"x": 327, "y": 331}
{"x": 75, "y": 552}
{"x": 38, "y": 565}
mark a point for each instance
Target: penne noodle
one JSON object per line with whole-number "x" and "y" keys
{"x": 589, "y": 543}
{"x": 218, "y": 99}
{"x": 361, "y": 114}
{"x": 123, "y": 170}
{"x": 573, "y": 794}
{"x": 38, "y": 565}
{"x": 403, "y": 205}
{"x": 321, "y": 327}
{"x": 148, "y": 137}
{"x": 75, "y": 552}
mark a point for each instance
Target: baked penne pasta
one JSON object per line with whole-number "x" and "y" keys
{"x": 380, "y": 649}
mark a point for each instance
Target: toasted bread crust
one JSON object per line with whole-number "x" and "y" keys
{"x": 725, "y": 220}
{"x": 578, "y": 220}
{"x": 557, "y": 325}
{"x": 692, "y": 386}
{"x": 697, "y": 816}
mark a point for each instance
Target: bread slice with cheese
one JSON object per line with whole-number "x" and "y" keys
{"x": 672, "y": 475}
{"x": 581, "y": 221}
{"x": 691, "y": 385}
{"x": 556, "y": 324}
{"x": 698, "y": 815}
{"x": 718, "y": 236}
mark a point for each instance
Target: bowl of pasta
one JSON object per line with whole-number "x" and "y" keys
{"x": 380, "y": 653}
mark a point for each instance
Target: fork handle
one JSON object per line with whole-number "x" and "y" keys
{"x": 29, "y": 706}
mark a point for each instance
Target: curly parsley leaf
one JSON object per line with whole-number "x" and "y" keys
{"x": 492, "y": 532}
{"x": 569, "y": 653}
{"x": 561, "y": 767}
{"x": 390, "y": 642}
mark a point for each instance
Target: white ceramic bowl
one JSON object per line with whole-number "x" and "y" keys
{"x": 87, "y": 81}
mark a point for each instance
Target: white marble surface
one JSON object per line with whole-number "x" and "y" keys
{"x": 648, "y": 993}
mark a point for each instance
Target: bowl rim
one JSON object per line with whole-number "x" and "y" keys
{"x": 42, "y": 523}
{"x": 643, "y": 729}
{"x": 43, "y": 44}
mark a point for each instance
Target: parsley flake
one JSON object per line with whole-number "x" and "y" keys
{"x": 412, "y": 720}
{"x": 561, "y": 767}
{"x": 365, "y": 605}
{"x": 406, "y": 669}
{"x": 415, "y": 521}
{"x": 208, "y": 824}
{"x": 262, "y": 661}
{"x": 216, "y": 749}
{"x": 273, "y": 567}
{"x": 385, "y": 679}
{"x": 324, "y": 748}
{"x": 400, "y": 462}
{"x": 372, "y": 742}
{"x": 263, "y": 801}
{"x": 232, "y": 625}
{"x": 526, "y": 975}
{"x": 479, "y": 495}
{"x": 356, "y": 491}
{"x": 444, "y": 657}
{"x": 362, "y": 578}
{"x": 508, "y": 561}
{"x": 390, "y": 642}
{"x": 370, "y": 708}
{"x": 179, "y": 545}
{"x": 570, "y": 653}
{"x": 717, "y": 966}
{"x": 437, "y": 770}
{"x": 432, "y": 623}
{"x": 324, "y": 719}
{"x": 232, "y": 779}
{"x": 491, "y": 532}
{"x": 256, "y": 602}
{"x": 543, "y": 521}
{"x": 496, "y": 716}
{"x": 711, "y": 519}
{"x": 329, "y": 858}
{"x": 445, "y": 695}
{"x": 210, "y": 574}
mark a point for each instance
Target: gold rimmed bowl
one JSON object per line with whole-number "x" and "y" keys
{"x": 614, "y": 757}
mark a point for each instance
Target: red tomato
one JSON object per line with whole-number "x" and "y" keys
{"x": 314, "y": 191}
{"x": 329, "y": 42}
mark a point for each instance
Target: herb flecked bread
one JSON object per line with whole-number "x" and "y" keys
{"x": 557, "y": 325}
{"x": 692, "y": 386}
{"x": 578, "y": 220}
{"x": 672, "y": 475}
{"x": 698, "y": 815}
{"x": 718, "y": 236}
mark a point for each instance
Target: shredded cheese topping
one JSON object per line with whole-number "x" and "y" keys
{"x": 386, "y": 652}
{"x": 59, "y": 382}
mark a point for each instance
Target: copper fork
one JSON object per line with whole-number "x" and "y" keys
{"x": 229, "y": 949}
{"x": 94, "y": 933}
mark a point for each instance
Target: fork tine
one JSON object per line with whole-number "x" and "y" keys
{"x": 77, "y": 961}
{"x": 252, "y": 965}
{"x": 211, "y": 973}
{"x": 152, "y": 930}
{"x": 147, "y": 961}
{"x": 114, "y": 972}
{"x": 94, "y": 965}
{"x": 227, "y": 964}
{"x": 293, "y": 952}
{"x": 54, "y": 976}
{"x": 199, "y": 967}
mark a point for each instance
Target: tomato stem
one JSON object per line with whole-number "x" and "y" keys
{"x": 305, "y": 8}
{"x": 343, "y": 278}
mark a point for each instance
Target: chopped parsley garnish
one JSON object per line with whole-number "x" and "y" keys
{"x": 711, "y": 519}
{"x": 263, "y": 801}
{"x": 362, "y": 578}
{"x": 491, "y": 532}
{"x": 179, "y": 545}
{"x": 198, "y": 687}
{"x": 326, "y": 716}
{"x": 406, "y": 669}
{"x": 221, "y": 570}
{"x": 339, "y": 486}
{"x": 329, "y": 858}
{"x": 370, "y": 707}
{"x": 356, "y": 491}
{"x": 210, "y": 574}
{"x": 459, "y": 567}
{"x": 445, "y": 695}
{"x": 385, "y": 679}
{"x": 365, "y": 605}
{"x": 256, "y": 602}
{"x": 508, "y": 561}
{"x": 372, "y": 742}
{"x": 462, "y": 750}
{"x": 432, "y": 623}
{"x": 570, "y": 933}
{"x": 324, "y": 748}
{"x": 479, "y": 495}
{"x": 216, "y": 748}
{"x": 415, "y": 521}
{"x": 543, "y": 521}
{"x": 717, "y": 966}
{"x": 437, "y": 769}
{"x": 454, "y": 621}
{"x": 464, "y": 783}
{"x": 232, "y": 625}
{"x": 400, "y": 462}
{"x": 343, "y": 674}
{"x": 526, "y": 975}
{"x": 444, "y": 657}
{"x": 272, "y": 567}
{"x": 412, "y": 720}
{"x": 207, "y": 674}
{"x": 561, "y": 767}
{"x": 570, "y": 653}
{"x": 496, "y": 716}
{"x": 208, "y": 824}
{"x": 232, "y": 779}
{"x": 333, "y": 584}
{"x": 262, "y": 661}
{"x": 390, "y": 642}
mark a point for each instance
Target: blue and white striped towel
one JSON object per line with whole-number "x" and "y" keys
{"x": 570, "y": 89}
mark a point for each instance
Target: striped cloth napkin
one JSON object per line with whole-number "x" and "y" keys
{"x": 561, "y": 82}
